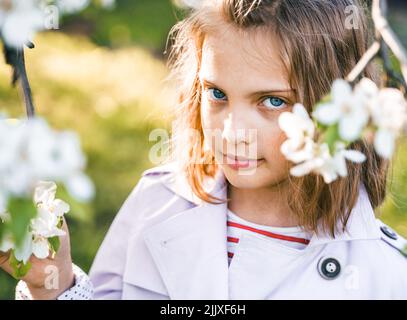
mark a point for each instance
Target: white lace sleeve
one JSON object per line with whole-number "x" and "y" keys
{"x": 82, "y": 289}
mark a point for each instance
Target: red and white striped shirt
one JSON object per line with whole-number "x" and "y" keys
{"x": 291, "y": 236}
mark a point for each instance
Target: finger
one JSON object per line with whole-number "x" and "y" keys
{"x": 65, "y": 226}
{"x": 65, "y": 240}
{"x": 4, "y": 264}
{"x": 4, "y": 256}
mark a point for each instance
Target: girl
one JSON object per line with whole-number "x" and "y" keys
{"x": 225, "y": 220}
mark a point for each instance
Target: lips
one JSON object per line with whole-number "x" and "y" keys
{"x": 235, "y": 162}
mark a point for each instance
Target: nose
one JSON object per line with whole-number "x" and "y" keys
{"x": 235, "y": 130}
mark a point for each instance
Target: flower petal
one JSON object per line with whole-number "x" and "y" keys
{"x": 341, "y": 92}
{"x": 19, "y": 26}
{"x": 328, "y": 175}
{"x": 354, "y": 155}
{"x": 45, "y": 191}
{"x": 366, "y": 90}
{"x": 23, "y": 253}
{"x": 340, "y": 164}
{"x": 80, "y": 187}
{"x": 327, "y": 113}
{"x": 3, "y": 205}
{"x": 40, "y": 248}
{"x": 349, "y": 128}
{"x": 384, "y": 143}
{"x": 306, "y": 167}
{"x": 60, "y": 207}
{"x": 6, "y": 244}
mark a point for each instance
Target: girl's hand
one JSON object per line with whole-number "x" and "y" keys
{"x": 47, "y": 278}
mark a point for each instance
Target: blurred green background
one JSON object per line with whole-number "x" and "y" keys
{"x": 102, "y": 75}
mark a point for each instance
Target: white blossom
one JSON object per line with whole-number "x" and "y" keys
{"x": 33, "y": 151}
{"x": 354, "y": 110}
{"x": 7, "y": 243}
{"x": 40, "y": 247}
{"x": 45, "y": 225}
{"x": 71, "y": 6}
{"x": 345, "y": 108}
{"x": 49, "y": 211}
{"x": 24, "y": 252}
{"x": 309, "y": 155}
{"x": 299, "y": 130}
{"x": 20, "y": 25}
{"x": 21, "y": 19}
{"x": 366, "y": 91}
{"x": 11, "y": 137}
{"x": 53, "y": 155}
{"x": 323, "y": 163}
{"x": 80, "y": 187}
{"x": 3, "y": 205}
{"x": 389, "y": 116}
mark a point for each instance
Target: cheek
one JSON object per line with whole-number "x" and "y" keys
{"x": 212, "y": 125}
{"x": 272, "y": 143}
{"x": 209, "y": 119}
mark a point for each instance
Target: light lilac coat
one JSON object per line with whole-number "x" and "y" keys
{"x": 167, "y": 244}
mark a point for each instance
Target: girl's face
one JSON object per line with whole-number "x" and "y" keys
{"x": 244, "y": 90}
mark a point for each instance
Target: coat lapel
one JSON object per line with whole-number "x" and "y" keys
{"x": 190, "y": 248}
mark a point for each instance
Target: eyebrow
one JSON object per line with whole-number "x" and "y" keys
{"x": 207, "y": 83}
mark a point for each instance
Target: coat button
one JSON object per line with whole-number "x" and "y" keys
{"x": 329, "y": 268}
{"x": 389, "y": 232}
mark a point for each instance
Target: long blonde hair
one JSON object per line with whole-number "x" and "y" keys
{"x": 317, "y": 48}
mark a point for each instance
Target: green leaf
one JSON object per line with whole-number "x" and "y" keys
{"x": 21, "y": 210}
{"x": 54, "y": 243}
{"x": 331, "y": 135}
{"x": 20, "y": 269}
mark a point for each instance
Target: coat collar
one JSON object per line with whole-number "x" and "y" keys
{"x": 191, "y": 245}
{"x": 174, "y": 179}
{"x": 361, "y": 224}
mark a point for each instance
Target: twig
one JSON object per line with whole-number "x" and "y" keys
{"x": 389, "y": 37}
{"x": 369, "y": 55}
{"x": 25, "y": 85}
{"x": 15, "y": 58}
{"x": 385, "y": 38}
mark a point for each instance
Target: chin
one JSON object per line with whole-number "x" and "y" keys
{"x": 246, "y": 179}
{"x": 262, "y": 177}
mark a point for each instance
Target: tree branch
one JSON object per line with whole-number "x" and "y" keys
{"x": 369, "y": 55}
{"x": 15, "y": 58}
{"x": 388, "y": 36}
{"x": 385, "y": 38}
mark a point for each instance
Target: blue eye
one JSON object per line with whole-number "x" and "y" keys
{"x": 274, "y": 102}
{"x": 217, "y": 94}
